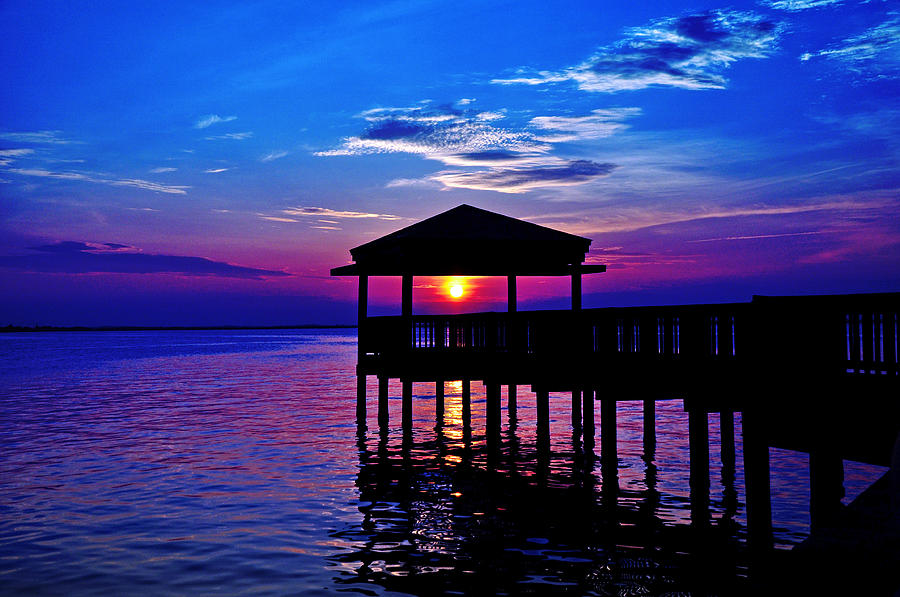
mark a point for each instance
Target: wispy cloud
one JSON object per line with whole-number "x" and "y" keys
{"x": 688, "y": 52}
{"x": 162, "y": 170}
{"x": 116, "y": 182}
{"x": 798, "y": 5}
{"x": 8, "y": 156}
{"x": 424, "y": 183}
{"x": 550, "y": 172}
{"x": 231, "y": 136}
{"x": 876, "y": 51}
{"x": 431, "y": 132}
{"x": 756, "y": 236}
{"x": 211, "y": 119}
{"x": 509, "y": 161}
{"x": 46, "y": 137}
{"x": 75, "y": 257}
{"x": 15, "y": 153}
{"x": 332, "y": 213}
{"x": 300, "y": 214}
{"x": 626, "y": 218}
{"x": 273, "y": 155}
{"x": 600, "y": 123}
{"x": 215, "y": 170}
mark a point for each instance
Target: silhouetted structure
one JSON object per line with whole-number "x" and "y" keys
{"x": 790, "y": 365}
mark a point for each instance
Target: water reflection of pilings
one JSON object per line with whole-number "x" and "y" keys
{"x": 426, "y": 507}
{"x": 825, "y": 461}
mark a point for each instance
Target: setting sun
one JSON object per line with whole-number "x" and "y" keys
{"x": 456, "y": 290}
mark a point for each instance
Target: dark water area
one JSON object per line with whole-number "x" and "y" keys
{"x": 231, "y": 462}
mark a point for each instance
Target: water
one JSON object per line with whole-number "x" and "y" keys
{"x": 230, "y": 462}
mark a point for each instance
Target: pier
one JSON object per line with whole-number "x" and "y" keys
{"x": 817, "y": 374}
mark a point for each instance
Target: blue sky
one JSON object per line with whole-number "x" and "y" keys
{"x": 208, "y": 163}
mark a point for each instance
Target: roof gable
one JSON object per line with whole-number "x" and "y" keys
{"x": 467, "y": 240}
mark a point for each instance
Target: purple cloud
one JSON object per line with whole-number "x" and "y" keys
{"x": 73, "y": 257}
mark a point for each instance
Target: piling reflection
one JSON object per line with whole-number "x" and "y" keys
{"x": 515, "y": 515}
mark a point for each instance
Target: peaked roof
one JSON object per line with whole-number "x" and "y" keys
{"x": 467, "y": 240}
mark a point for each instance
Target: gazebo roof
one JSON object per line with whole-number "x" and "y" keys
{"x": 470, "y": 241}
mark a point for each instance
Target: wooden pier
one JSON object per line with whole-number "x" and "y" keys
{"x": 819, "y": 374}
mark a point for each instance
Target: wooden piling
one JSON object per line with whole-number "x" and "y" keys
{"x": 698, "y": 438}
{"x": 407, "y": 404}
{"x": 576, "y": 409}
{"x": 383, "y": 414}
{"x": 439, "y": 402}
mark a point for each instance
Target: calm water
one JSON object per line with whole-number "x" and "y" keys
{"x": 230, "y": 462}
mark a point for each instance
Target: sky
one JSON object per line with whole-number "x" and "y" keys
{"x": 208, "y": 163}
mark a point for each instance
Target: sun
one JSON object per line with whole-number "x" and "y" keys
{"x": 456, "y": 290}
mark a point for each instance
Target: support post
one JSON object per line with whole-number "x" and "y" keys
{"x": 362, "y": 313}
{"x": 576, "y": 290}
{"x": 649, "y": 427}
{"x": 406, "y": 295}
{"x": 512, "y": 401}
{"x": 757, "y": 481}
{"x": 542, "y": 403}
{"x": 383, "y": 414}
{"x": 361, "y": 398}
{"x": 511, "y": 294}
{"x": 698, "y": 438}
{"x": 492, "y": 416}
{"x": 726, "y": 433}
{"x": 467, "y": 403}
{"x": 826, "y": 485}
{"x": 608, "y": 448}
{"x": 587, "y": 413}
{"x": 407, "y": 405}
{"x": 439, "y": 402}
{"x": 576, "y": 409}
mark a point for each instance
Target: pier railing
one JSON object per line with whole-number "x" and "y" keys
{"x": 855, "y": 334}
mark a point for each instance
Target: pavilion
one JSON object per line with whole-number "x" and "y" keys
{"x": 468, "y": 241}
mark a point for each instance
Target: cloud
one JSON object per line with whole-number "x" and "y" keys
{"x": 273, "y": 155}
{"x": 211, "y": 119}
{"x": 424, "y": 183}
{"x": 797, "y": 5}
{"x": 231, "y": 136}
{"x": 433, "y": 133}
{"x": 162, "y": 170}
{"x": 331, "y": 213}
{"x": 600, "y": 123}
{"x": 522, "y": 179}
{"x": 756, "y": 236}
{"x": 215, "y": 170}
{"x": 46, "y": 137}
{"x": 875, "y": 51}
{"x": 15, "y": 153}
{"x": 687, "y": 52}
{"x": 73, "y": 257}
{"x": 124, "y": 182}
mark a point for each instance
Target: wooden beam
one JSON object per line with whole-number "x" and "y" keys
{"x": 511, "y": 293}
{"x": 355, "y": 269}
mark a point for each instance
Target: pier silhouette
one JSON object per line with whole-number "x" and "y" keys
{"x": 815, "y": 374}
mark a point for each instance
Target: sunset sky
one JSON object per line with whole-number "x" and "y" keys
{"x": 207, "y": 163}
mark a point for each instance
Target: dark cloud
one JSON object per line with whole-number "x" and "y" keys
{"x": 72, "y": 257}
{"x": 522, "y": 179}
{"x": 393, "y": 129}
{"x": 688, "y": 52}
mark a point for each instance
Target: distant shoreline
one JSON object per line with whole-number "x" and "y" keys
{"x": 142, "y": 328}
